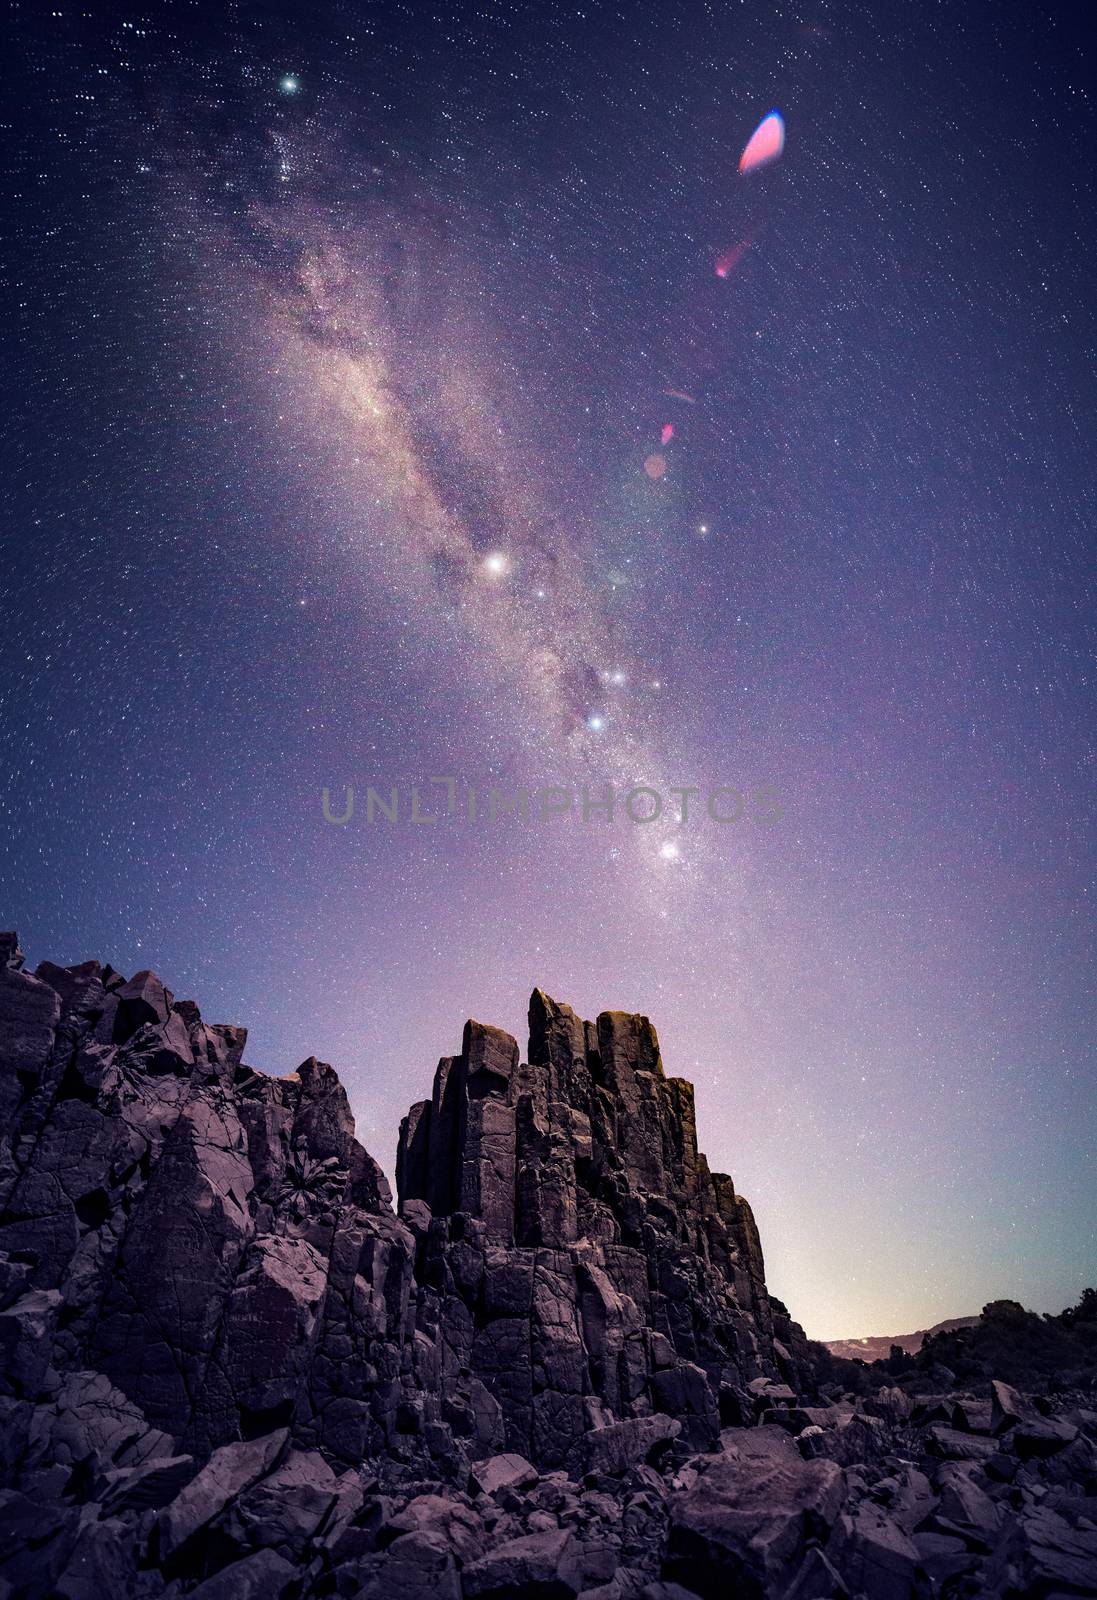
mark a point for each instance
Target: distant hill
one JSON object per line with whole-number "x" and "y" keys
{"x": 878, "y": 1347}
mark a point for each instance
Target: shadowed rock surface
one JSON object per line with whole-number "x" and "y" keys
{"x": 578, "y": 1262}
{"x": 228, "y": 1367}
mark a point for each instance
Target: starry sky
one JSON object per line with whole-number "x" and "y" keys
{"x": 396, "y": 391}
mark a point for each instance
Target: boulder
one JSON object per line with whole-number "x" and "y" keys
{"x": 228, "y": 1472}
{"x": 666, "y": 1591}
{"x": 26, "y": 1341}
{"x": 1046, "y": 1555}
{"x": 37, "y": 1541}
{"x": 942, "y": 1557}
{"x": 1008, "y": 1407}
{"x": 876, "y": 1558}
{"x": 534, "y": 1566}
{"x": 748, "y": 1519}
{"x": 265, "y": 1575}
{"x": 950, "y": 1444}
{"x": 1038, "y": 1439}
{"x": 285, "y": 1509}
{"x": 460, "y": 1526}
{"x": 621, "y": 1445}
{"x": 143, "y": 1001}
{"x": 850, "y": 1439}
{"x": 29, "y": 1013}
{"x": 816, "y": 1579}
{"x": 964, "y": 1500}
{"x": 907, "y": 1495}
{"x": 102, "y": 1562}
{"x": 502, "y": 1472}
{"x": 417, "y": 1566}
{"x": 973, "y": 1416}
{"x": 89, "y": 1420}
{"x": 152, "y": 1483}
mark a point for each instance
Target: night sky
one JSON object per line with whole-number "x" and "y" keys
{"x": 342, "y": 342}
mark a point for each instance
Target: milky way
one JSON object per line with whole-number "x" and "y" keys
{"x": 406, "y": 396}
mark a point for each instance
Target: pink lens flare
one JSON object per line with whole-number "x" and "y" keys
{"x": 730, "y": 259}
{"x": 667, "y": 434}
{"x": 727, "y": 263}
{"x": 765, "y": 144}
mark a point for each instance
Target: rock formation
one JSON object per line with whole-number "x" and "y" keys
{"x": 229, "y": 1368}
{"x": 578, "y": 1263}
{"x": 216, "y": 1244}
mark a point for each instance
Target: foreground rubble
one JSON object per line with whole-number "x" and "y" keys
{"x": 228, "y": 1368}
{"x": 916, "y": 1506}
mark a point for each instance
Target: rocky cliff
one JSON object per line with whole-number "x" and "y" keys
{"x": 216, "y": 1244}
{"x": 229, "y": 1368}
{"x": 579, "y": 1264}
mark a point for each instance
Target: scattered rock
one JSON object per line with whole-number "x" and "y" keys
{"x": 262, "y": 1576}
{"x": 1007, "y": 1407}
{"x": 963, "y": 1501}
{"x": 228, "y": 1472}
{"x": 749, "y": 1517}
{"x": 1046, "y": 1555}
{"x": 502, "y": 1472}
{"x": 953, "y": 1445}
{"x": 877, "y": 1558}
{"x": 229, "y": 1369}
{"x": 1040, "y": 1439}
{"x": 621, "y": 1445}
{"x": 535, "y": 1565}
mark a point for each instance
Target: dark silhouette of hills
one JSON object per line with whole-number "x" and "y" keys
{"x": 877, "y": 1347}
{"x": 1043, "y": 1354}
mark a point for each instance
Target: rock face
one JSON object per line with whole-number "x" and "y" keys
{"x": 579, "y": 1262}
{"x": 216, "y": 1246}
{"x": 212, "y": 1243}
{"x": 229, "y": 1368}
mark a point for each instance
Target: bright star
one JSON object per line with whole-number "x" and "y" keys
{"x": 669, "y": 851}
{"x": 596, "y": 722}
{"x": 496, "y": 564}
{"x": 289, "y": 85}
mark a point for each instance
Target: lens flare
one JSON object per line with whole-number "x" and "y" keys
{"x": 765, "y": 143}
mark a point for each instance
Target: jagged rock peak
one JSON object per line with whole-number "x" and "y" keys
{"x": 215, "y": 1247}
{"x": 588, "y": 1151}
